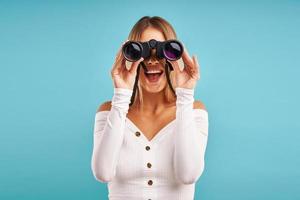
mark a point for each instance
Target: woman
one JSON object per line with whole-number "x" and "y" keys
{"x": 150, "y": 140}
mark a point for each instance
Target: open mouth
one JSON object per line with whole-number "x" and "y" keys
{"x": 153, "y": 75}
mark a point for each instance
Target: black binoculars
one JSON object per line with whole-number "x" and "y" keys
{"x": 169, "y": 49}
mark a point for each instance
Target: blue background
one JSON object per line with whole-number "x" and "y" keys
{"x": 56, "y": 57}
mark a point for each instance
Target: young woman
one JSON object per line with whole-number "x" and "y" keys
{"x": 150, "y": 140}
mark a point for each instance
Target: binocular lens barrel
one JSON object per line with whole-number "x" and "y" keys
{"x": 170, "y": 49}
{"x": 132, "y": 51}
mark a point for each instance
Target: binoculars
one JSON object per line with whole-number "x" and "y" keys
{"x": 169, "y": 49}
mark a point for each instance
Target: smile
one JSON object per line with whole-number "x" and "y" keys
{"x": 153, "y": 75}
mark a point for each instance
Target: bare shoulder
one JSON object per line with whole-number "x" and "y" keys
{"x": 106, "y": 106}
{"x": 199, "y": 105}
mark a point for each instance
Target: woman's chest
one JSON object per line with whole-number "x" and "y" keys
{"x": 152, "y": 125}
{"x": 140, "y": 158}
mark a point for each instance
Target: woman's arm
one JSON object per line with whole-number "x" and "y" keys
{"x": 190, "y": 137}
{"x": 108, "y": 135}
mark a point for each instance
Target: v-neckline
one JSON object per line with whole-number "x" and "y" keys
{"x": 156, "y": 136}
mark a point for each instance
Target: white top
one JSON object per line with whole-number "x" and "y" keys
{"x": 166, "y": 167}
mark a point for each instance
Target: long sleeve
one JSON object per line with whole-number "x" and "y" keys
{"x": 108, "y": 136}
{"x": 191, "y": 133}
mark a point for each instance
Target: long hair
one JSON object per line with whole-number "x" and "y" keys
{"x": 169, "y": 33}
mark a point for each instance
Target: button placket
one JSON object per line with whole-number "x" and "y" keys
{"x": 149, "y": 181}
{"x": 148, "y": 148}
{"x": 148, "y": 152}
{"x": 148, "y": 156}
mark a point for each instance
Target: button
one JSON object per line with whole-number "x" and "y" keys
{"x": 149, "y": 165}
{"x": 137, "y": 134}
{"x": 147, "y": 148}
{"x": 150, "y": 182}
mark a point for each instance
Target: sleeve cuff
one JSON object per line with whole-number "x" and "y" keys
{"x": 184, "y": 96}
{"x": 121, "y": 99}
{"x": 123, "y": 91}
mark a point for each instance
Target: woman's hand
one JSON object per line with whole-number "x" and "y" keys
{"x": 187, "y": 78}
{"x": 122, "y": 77}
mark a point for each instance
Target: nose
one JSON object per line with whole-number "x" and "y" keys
{"x": 152, "y": 60}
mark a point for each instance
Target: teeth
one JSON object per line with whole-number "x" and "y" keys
{"x": 153, "y": 71}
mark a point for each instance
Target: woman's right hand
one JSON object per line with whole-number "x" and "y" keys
{"x": 122, "y": 77}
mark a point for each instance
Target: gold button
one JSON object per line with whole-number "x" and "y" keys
{"x": 137, "y": 134}
{"x": 150, "y": 182}
{"x": 149, "y": 165}
{"x": 147, "y": 148}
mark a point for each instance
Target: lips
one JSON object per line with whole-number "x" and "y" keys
{"x": 153, "y": 75}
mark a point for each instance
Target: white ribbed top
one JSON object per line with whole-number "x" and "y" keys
{"x": 167, "y": 167}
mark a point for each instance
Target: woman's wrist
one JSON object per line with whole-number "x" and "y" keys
{"x": 184, "y": 96}
{"x": 122, "y": 90}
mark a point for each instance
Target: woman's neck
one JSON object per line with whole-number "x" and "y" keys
{"x": 153, "y": 103}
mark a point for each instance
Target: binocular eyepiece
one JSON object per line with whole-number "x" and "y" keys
{"x": 169, "y": 49}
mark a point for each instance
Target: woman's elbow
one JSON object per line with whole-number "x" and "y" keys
{"x": 101, "y": 173}
{"x": 103, "y": 178}
{"x": 190, "y": 176}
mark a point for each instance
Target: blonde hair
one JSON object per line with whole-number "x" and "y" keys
{"x": 169, "y": 33}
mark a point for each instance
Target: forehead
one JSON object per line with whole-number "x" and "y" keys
{"x": 152, "y": 33}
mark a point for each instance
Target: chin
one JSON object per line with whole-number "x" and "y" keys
{"x": 152, "y": 86}
{"x": 152, "y": 90}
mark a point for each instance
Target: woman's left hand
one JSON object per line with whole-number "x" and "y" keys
{"x": 187, "y": 78}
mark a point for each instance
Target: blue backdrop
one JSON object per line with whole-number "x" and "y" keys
{"x": 56, "y": 57}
